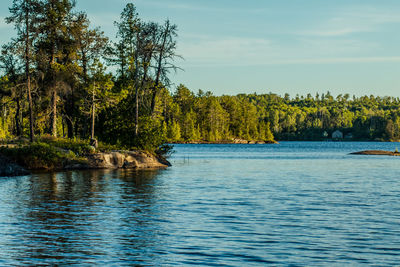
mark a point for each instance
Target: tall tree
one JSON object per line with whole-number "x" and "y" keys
{"x": 55, "y": 45}
{"x": 24, "y": 16}
{"x": 127, "y": 52}
{"x": 164, "y": 57}
{"x": 99, "y": 91}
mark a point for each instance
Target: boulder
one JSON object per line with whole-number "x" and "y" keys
{"x": 240, "y": 141}
{"x": 9, "y": 168}
{"x": 126, "y": 159}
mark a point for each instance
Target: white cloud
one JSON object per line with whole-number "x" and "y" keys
{"x": 234, "y": 51}
{"x": 227, "y": 50}
{"x": 354, "y": 20}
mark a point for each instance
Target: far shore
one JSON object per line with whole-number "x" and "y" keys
{"x": 228, "y": 142}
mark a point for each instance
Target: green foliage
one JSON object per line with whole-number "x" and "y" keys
{"x": 104, "y": 147}
{"x": 36, "y": 156}
{"x": 150, "y": 136}
{"x": 165, "y": 150}
{"x": 268, "y": 135}
{"x": 174, "y": 132}
{"x": 77, "y": 146}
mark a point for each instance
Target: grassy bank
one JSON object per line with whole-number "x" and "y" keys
{"x": 49, "y": 153}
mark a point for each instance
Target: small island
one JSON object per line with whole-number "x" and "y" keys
{"x": 377, "y": 152}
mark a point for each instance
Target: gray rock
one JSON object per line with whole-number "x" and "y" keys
{"x": 125, "y": 159}
{"x": 9, "y": 168}
{"x": 376, "y": 152}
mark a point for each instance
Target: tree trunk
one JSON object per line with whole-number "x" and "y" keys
{"x": 70, "y": 128}
{"x": 136, "y": 111}
{"x": 69, "y": 111}
{"x": 63, "y": 127}
{"x": 53, "y": 116}
{"x": 30, "y": 108}
{"x": 17, "y": 118}
{"x": 27, "y": 72}
{"x": 153, "y": 100}
{"x": 159, "y": 68}
{"x": 93, "y": 112}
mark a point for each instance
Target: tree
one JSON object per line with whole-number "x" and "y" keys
{"x": 13, "y": 70}
{"x": 57, "y": 48}
{"x": 164, "y": 56}
{"x": 24, "y": 17}
{"x": 101, "y": 97}
{"x": 127, "y": 53}
{"x": 174, "y": 132}
{"x": 91, "y": 45}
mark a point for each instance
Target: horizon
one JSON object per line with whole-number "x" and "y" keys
{"x": 301, "y": 48}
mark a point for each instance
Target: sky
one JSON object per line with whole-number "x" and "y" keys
{"x": 262, "y": 46}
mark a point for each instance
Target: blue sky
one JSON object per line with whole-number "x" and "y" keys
{"x": 293, "y": 46}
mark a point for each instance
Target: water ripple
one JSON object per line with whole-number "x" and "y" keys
{"x": 293, "y": 204}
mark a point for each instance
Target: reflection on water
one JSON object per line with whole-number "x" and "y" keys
{"x": 78, "y": 217}
{"x": 297, "y": 203}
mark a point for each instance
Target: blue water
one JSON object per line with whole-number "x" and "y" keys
{"x": 296, "y": 204}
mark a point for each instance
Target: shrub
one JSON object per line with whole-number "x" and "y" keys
{"x": 35, "y": 156}
{"x": 78, "y": 146}
{"x": 165, "y": 150}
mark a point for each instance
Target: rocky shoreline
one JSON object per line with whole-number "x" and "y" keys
{"x": 376, "y": 152}
{"x": 118, "y": 159}
{"x": 234, "y": 141}
{"x": 121, "y": 159}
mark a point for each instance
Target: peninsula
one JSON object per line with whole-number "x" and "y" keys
{"x": 64, "y": 154}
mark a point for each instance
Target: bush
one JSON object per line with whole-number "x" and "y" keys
{"x": 165, "y": 150}
{"x": 36, "y": 156}
{"x": 78, "y": 146}
{"x": 104, "y": 147}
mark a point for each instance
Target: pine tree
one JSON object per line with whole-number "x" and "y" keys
{"x": 58, "y": 51}
{"x": 24, "y": 16}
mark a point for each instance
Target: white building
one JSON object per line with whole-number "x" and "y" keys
{"x": 337, "y": 135}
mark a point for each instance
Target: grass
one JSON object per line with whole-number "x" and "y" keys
{"x": 77, "y": 146}
{"x": 38, "y": 155}
{"x": 46, "y": 153}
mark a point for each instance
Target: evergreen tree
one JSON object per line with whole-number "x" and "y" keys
{"x": 24, "y": 16}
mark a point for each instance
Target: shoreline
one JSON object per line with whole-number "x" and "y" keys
{"x": 227, "y": 142}
{"x": 17, "y": 161}
{"x": 277, "y": 142}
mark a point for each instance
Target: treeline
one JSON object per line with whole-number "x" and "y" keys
{"x": 203, "y": 117}
{"x": 55, "y": 82}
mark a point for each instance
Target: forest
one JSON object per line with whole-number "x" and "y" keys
{"x": 62, "y": 77}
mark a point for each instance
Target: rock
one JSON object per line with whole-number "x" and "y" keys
{"x": 376, "y": 152}
{"x": 240, "y": 141}
{"x": 9, "y": 168}
{"x": 126, "y": 159}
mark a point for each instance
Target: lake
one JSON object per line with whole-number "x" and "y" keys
{"x": 295, "y": 203}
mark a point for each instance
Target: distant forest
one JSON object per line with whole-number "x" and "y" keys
{"x": 55, "y": 81}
